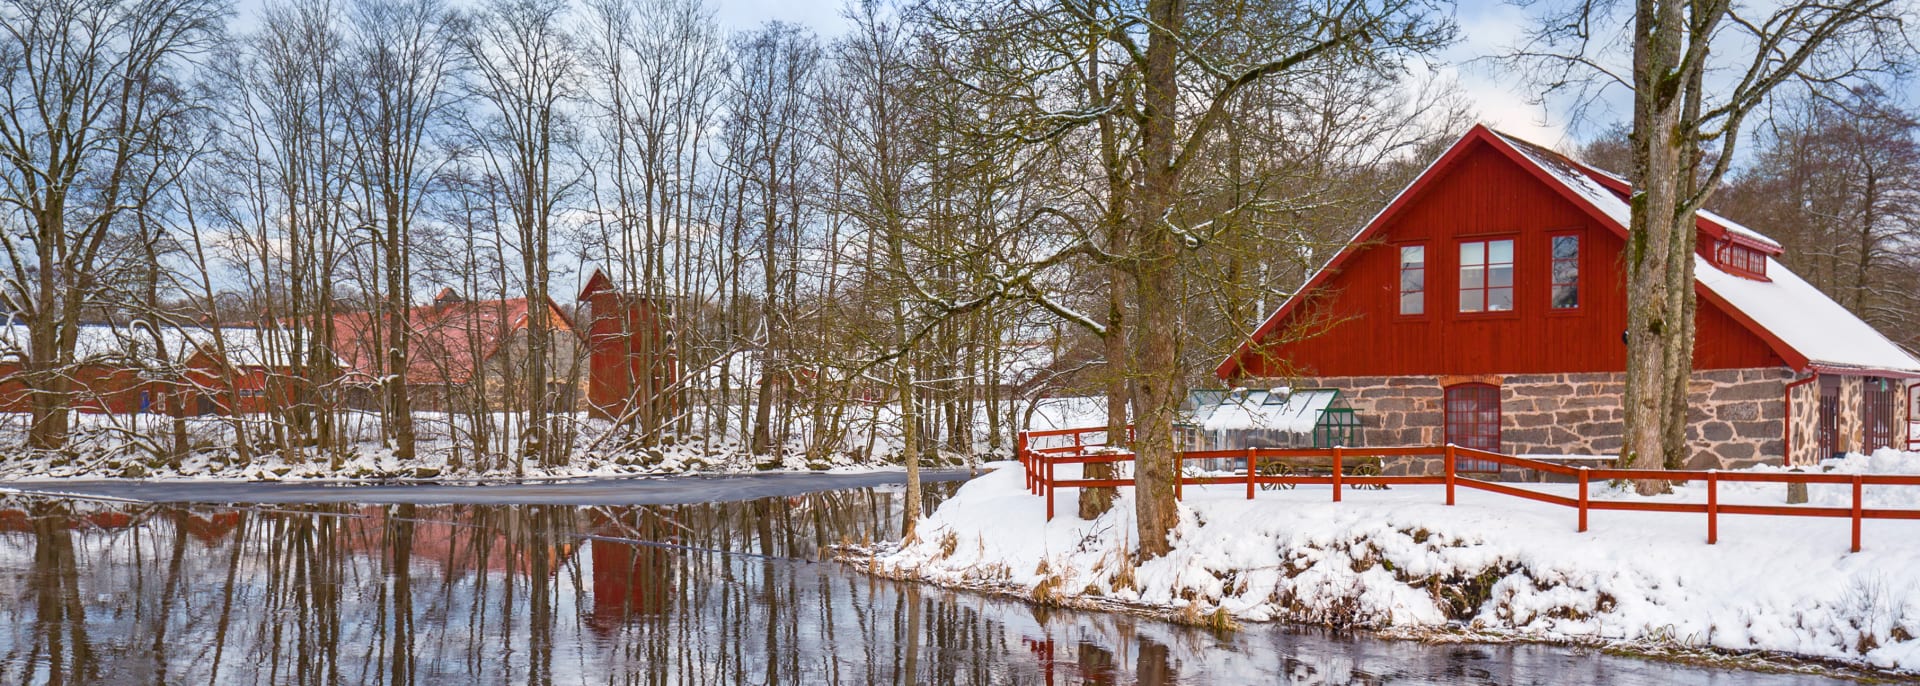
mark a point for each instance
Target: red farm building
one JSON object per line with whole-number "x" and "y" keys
{"x": 1485, "y": 306}
{"x": 458, "y": 348}
{"x": 632, "y": 369}
{"x": 113, "y": 370}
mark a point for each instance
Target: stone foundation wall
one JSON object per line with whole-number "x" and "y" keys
{"x": 1736, "y": 415}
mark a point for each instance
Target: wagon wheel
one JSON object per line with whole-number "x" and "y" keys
{"x": 1273, "y": 469}
{"x": 1369, "y": 469}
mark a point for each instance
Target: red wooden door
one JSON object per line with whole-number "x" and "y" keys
{"x": 1473, "y": 421}
{"x": 1877, "y": 413}
{"x": 1829, "y": 416}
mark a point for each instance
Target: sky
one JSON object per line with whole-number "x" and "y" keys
{"x": 1486, "y": 27}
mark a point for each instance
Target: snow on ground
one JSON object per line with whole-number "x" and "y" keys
{"x": 1494, "y": 565}
{"x": 136, "y": 446}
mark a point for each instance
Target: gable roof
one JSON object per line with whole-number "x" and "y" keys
{"x": 449, "y": 339}
{"x": 1801, "y": 325}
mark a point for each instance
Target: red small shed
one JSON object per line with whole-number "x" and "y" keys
{"x": 633, "y": 370}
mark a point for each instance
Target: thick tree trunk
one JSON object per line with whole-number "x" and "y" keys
{"x": 1659, "y": 250}
{"x": 1155, "y": 363}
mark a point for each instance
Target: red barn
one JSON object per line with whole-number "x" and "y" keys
{"x": 1486, "y": 306}
{"x": 459, "y": 348}
{"x": 632, "y": 367}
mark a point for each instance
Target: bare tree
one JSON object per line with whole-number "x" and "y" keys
{"x": 528, "y": 71}
{"x": 1687, "y": 121}
{"x": 1179, "y": 70}
{"x": 404, "y": 59}
{"x": 90, "y": 91}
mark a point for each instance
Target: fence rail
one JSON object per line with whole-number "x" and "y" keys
{"x": 1041, "y": 479}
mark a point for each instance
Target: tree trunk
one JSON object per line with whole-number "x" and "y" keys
{"x": 1155, "y": 363}
{"x": 1654, "y": 314}
{"x": 1096, "y": 501}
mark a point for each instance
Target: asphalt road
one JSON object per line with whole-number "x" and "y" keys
{"x": 607, "y": 491}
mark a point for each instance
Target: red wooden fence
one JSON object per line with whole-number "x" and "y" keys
{"x": 1040, "y": 464}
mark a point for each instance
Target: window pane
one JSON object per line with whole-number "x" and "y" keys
{"x": 1472, "y": 301}
{"x": 1565, "y": 296}
{"x": 1566, "y": 247}
{"x": 1412, "y": 303}
{"x": 1473, "y": 253}
{"x": 1500, "y": 299}
{"x": 1566, "y": 271}
{"x": 1472, "y": 277}
{"x": 1500, "y": 277}
{"x": 1500, "y": 251}
{"x": 1413, "y": 255}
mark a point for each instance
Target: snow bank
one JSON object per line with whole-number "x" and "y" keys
{"x": 1496, "y": 565}
{"x": 138, "y": 446}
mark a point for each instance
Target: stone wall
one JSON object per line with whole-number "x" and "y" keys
{"x": 1852, "y": 434}
{"x": 1806, "y": 422}
{"x": 1736, "y": 418}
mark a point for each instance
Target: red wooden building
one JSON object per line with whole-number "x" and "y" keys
{"x": 632, "y": 369}
{"x": 1486, "y": 306}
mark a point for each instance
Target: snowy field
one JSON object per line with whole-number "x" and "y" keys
{"x": 1492, "y": 566}
{"x": 135, "y": 446}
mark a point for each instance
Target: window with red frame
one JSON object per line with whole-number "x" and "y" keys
{"x": 1473, "y": 421}
{"x": 1566, "y": 272}
{"x": 1740, "y": 259}
{"x": 1413, "y": 279}
{"x": 1486, "y": 276}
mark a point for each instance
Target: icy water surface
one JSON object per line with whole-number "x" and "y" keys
{"x": 718, "y": 593}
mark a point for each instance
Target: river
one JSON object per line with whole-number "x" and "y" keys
{"x": 97, "y": 591}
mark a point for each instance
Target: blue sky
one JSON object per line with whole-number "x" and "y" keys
{"x": 1486, "y": 27}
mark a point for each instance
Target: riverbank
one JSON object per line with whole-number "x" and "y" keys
{"x": 144, "y": 446}
{"x": 581, "y": 492}
{"x": 1492, "y": 567}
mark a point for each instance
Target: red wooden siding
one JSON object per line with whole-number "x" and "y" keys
{"x": 626, "y": 344}
{"x": 96, "y": 389}
{"x": 1480, "y": 194}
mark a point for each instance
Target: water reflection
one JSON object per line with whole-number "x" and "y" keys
{"x": 685, "y": 594}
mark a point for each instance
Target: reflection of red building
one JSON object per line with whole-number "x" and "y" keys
{"x": 632, "y": 366}
{"x": 629, "y": 578}
{"x": 18, "y": 520}
{"x": 209, "y": 528}
{"x": 459, "y": 539}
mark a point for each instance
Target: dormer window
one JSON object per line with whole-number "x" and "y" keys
{"x": 1740, "y": 260}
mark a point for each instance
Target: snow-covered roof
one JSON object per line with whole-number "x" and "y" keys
{"x": 1805, "y": 319}
{"x": 1279, "y": 409}
{"x": 1785, "y": 306}
{"x": 134, "y": 345}
{"x": 1806, "y": 327}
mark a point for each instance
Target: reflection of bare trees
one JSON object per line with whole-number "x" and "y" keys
{"x": 404, "y": 594}
{"x": 61, "y": 624}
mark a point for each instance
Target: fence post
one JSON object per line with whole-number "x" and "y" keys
{"x": 1583, "y": 499}
{"x": 1020, "y": 449}
{"x": 1179, "y": 475}
{"x": 1253, "y": 467}
{"x": 1713, "y": 506}
{"x": 1450, "y": 460}
{"x": 1856, "y": 513}
{"x": 1048, "y": 487}
{"x": 1336, "y": 473}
